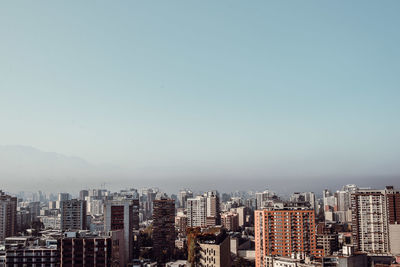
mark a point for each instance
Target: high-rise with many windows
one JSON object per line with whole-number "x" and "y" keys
{"x": 122, "y": 214}
{"x": 163, "y": 229}
{"x": 284, "y": 232}
{"x": 8, "y": 215}
{"x": 73, "y": 215}
{"x": 213, "y": 208}
{"x": 197, "y": 211}
{"x": 84, "y": 251}
{"x": 370, "y": 221}
{"x": 375, "y": 213}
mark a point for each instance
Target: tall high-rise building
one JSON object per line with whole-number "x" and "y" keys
{"x": 393, "y": 205}
{"x": 284, "y": 232}
{"x": 343, "y": 213}
{"x": 213, "y": 208}
{"x": 136, "y": 207}
{"x": 163, "y": 228}
{"x": 370, "y": 221}
{"x": 204, "y": 211}
{"x": 34, "y": 209}
{"x": 183, "y": 196}
{"x": 73, "y": 215}
{"x": 374, "y": 214}
{"x": 197, "y": 211}
{"x": 123, "y": 215}
{"x": 8, "y": 216}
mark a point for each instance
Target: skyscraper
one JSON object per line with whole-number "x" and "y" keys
{"x": 197, "y": 211}
{"x": 373, "y": 212}
{"x": 8, "y": 216}
{"x": 213, "y": 208}
{"x": 73, "y": 215}
{"x": 393, "y": 204}
{"x": 163, "y": 228}
{"x": 370, "y": 221}
{"x": 34, "y": 209}
{"x": 123, "y": 215}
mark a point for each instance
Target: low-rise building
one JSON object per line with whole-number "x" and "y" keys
{"x": 93, "y": 251}
{"x": 214, "y": 250}
{"x": 32, "y": 256}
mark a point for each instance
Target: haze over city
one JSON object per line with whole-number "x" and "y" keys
{"x": 226, "y": 95}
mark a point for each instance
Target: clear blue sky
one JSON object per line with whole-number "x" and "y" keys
{"x": 246, "y": 88}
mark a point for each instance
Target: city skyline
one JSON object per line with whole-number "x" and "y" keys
{"x": 235, "y": 229}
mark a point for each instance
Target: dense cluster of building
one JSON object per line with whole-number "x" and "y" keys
{"x": 350, "y": 227}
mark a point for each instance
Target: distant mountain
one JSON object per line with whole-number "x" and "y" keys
{"x": 23, "y": 167}
{"x": 24, "y": 159}
{"x": 26, "y": 156}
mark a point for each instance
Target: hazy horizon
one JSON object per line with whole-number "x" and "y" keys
{"x": 54, "y": 172}
{"x": 206, "y": 94}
